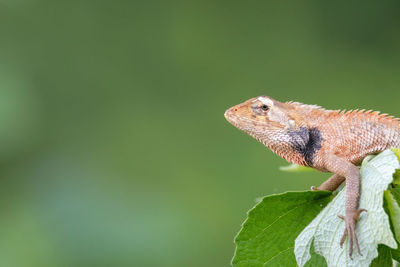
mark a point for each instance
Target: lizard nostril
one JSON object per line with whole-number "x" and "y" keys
{"x": 235, "y": 109}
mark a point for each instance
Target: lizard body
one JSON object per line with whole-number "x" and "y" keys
{"x": 328, "y": 140}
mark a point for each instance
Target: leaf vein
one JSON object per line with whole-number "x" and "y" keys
{"x": 280, "y": 252}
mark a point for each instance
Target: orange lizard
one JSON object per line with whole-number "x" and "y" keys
{"x": 327, "y": 140}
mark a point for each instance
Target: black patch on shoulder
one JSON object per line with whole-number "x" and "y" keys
{"x": 307, "y": 142}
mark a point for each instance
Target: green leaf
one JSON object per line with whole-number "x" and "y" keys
{"x": 396, "y": 253}
{"x": 384, "y": 259}
{"x": 396, "y": 176}
{"x": 316, "y": 260}
{"x": 295, "y": 168}
{"x": 392, "y": 197}
{"x": 268, "y": 234}
{"x": 396, "y": 194}
{"x": 373, "y": 227}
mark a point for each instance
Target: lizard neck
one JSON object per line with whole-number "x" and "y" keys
{"x": 298, "y": 146}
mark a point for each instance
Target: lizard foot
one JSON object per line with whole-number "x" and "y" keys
{"x": 350, "y": 231}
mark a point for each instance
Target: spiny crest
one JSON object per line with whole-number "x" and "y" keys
{"x": 376, "y": 114}
{"x": 355, "y": 112}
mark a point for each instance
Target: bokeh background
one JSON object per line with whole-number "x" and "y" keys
{"x": 113, "y": 146}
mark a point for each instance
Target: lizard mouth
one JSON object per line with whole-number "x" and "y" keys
{"x": 232, "y": 118}
{"x": 240, "y": 122}
{"x": 246, "y": 125}
{"x": 228, "y": 115}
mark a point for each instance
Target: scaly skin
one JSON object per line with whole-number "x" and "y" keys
{"x": 327, "y": 140}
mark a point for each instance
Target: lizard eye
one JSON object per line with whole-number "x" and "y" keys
{"x": 264, "y": 107}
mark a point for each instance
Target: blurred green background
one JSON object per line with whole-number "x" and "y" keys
{"x": 113, "y": 146}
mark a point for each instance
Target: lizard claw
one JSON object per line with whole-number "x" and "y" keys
{"x": 350, "y": 231}
{"x": 314, "y": 188}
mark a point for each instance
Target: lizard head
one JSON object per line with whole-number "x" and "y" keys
{"x": 263, "y": 118}
{"x": 279, "y": 126}
{"x": 260, "y": 114}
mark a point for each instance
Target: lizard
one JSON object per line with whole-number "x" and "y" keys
{"x": 333, "y": 141}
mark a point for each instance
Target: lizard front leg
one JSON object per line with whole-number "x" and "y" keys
{"x": 331, "y": 184}
{"x": 344, "y": 168}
